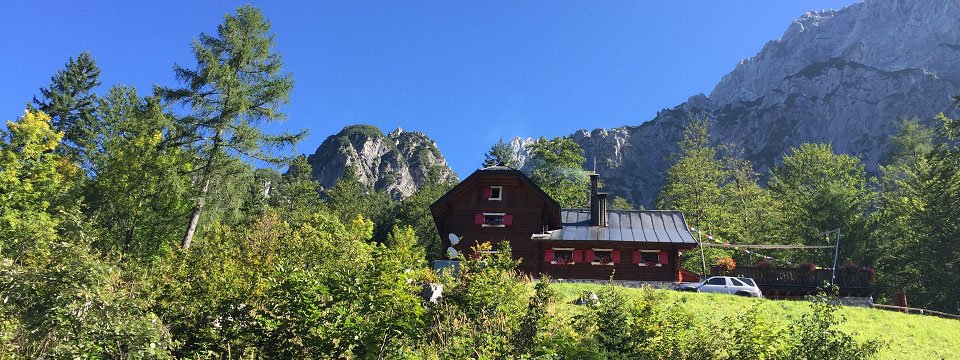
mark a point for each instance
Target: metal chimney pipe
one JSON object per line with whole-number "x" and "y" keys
{"x": 602, "y": 209}
{"x": 594, "y": 203}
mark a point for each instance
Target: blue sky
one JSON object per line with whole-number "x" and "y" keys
{"x": 464, "y": 73}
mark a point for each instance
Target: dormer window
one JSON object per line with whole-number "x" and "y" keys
{"x": 496, "y": 193}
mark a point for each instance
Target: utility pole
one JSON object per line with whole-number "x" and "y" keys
{"x": 836, "y": 254}
{"x": 703, "y": 258}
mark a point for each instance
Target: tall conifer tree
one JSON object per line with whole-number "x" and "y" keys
{"x": 237, "y": 84}
{"x": 71, "y": 103}
{"x": 499, "y": 153}
{"x": 693, "y": 181}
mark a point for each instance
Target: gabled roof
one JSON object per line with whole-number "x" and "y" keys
{"x": 493, "y": 171}
{"x": 652, "y": 226}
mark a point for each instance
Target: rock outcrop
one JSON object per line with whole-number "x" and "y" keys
{"x": 398, "y": 163}
{"x": 841, "y": 76}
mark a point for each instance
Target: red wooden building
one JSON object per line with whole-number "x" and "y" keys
{"x": 499, "y": 203}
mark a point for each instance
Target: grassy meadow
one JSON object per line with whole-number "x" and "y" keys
{"x": 905, "y": 335}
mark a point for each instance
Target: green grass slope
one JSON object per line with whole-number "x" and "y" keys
{"x": 906, "y": 336}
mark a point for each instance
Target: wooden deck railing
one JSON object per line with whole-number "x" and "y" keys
{"x": 798, "y": 281}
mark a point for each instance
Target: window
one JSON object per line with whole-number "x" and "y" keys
{"x": 493, "y": 219}
{"x": 563, "y": 256}
{"x": 716, "y": 281}
{"x": 601, "y": 256}
{"x": 649, "y": 258}
{"x": 496, "y": 193}
{"x": 656, "y": 258}
{"x": 748, "y": 281}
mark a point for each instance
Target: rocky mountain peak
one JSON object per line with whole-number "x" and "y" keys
{"x": 888, "y": 35}
{"x": 398, "y": 163}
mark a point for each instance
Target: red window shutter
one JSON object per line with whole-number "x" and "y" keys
{"x": 478, "y": 219}
{"x": 616, "y": 256}
{"x": 578, "y": 256}
{"x": 548, "y": 255}
{"x": 487, "y": 191}
{"x": 663, "y": 257}
{"x": 589, "y": 256}
{"x": 636, "y": 257}
{"x": 507, "y": 220}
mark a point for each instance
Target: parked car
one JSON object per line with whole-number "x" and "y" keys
{"x": 724, "y": 285}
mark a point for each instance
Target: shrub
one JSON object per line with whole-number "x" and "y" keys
{"x": 873, "y": 274}
{"x": 482, "y": 309}
{"x": 815, "y": 335}
{"x": 726, "y": 265}
{"x": 807, "y": 267}
{"x": 849, "y": 266}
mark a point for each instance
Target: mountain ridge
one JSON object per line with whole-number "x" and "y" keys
{"x": 839, "y": 76}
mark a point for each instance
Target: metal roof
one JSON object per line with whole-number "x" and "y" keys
{"x": 653, "y": 226}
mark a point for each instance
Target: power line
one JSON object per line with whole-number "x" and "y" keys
{"x": 757, "y": 246}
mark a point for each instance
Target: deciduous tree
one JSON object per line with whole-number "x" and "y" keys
{"x": 138, "y": 189}
{"x": 819, "y": 190}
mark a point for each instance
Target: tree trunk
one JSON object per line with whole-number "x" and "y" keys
{"x": 201, "y": 198}
{"x": 195, "y": 217}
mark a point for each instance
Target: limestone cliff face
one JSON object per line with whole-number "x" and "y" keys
{"x": 398, "y": 163}
{"x": 842, "y": 77}
{"x": 889, "y": 35}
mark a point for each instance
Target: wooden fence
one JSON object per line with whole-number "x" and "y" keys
{"x": 911, "y": 310}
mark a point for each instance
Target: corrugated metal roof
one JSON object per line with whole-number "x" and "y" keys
{"x": 640, "y": 226}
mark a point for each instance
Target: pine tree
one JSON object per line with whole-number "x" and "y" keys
{"x": 500, "y": 153}
{"x": 236, "y": 85}
{"x": 916, "y": 218}
{"x": 71, "y": 103}
{"x": 693, "y": 181}
{"x": 297, "y": 194}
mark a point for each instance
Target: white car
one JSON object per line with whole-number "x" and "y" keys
{"x": 724, "y": 285}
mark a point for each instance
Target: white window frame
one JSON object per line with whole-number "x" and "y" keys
{"x": 493, "y": 214}
{"x": 658, "y": 264}
{"x": 499, "y": 193}
{"x": 598, "y": 263}
{"x": 563, "y": 249}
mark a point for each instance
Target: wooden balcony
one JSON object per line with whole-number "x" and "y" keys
{"x": 793, "y": 282}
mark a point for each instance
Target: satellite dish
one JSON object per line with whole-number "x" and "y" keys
{"x": 452, "y": 253}
{"x": 454, "y": 239}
